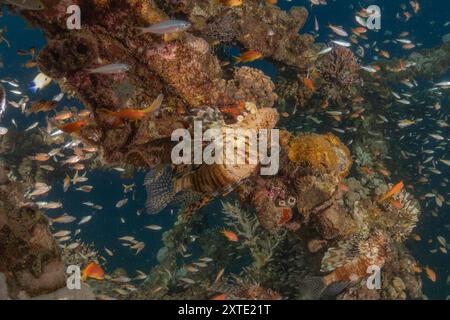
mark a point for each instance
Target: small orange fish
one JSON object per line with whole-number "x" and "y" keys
{"x": 408, "y": 46}
{"x": 366, "y": 170}
{"x": 417, "y": 269}
{"x": 230, "y": 235}
{"x": 430, "y": 274}
{"x": 30, "y": 64}
{"x": 21, "y": 52}
{"x": 248, "y": 56}
{"x": 137, "y": 114}
{"x": 363, "y": 36}
{"x": 78, "y": 151}
{"x": 78, "y": 166}
{"x": 396, "y": 204}
{"x": 384, "y": 172}
{"x": 358, "y": 99}
{"x": 42, "y": 106}
{"x": 84, "y": 113}
{"x": 385, "y": 54}
{"x": 395, "y": 189}
{"x": 93, "y": 271}
{"x": 73, "y": 127}
{"x": 309, "y": 84}
{"x": 416, "y": 237}
{"x": 41, "y": 157}
{"x": 63, "y": 115}
{"x": 90, "y": 149}
{"x": 359, "y": 30}
{"x": 363, "y": 13}
{"x": 222, "y": 296}
{"x": 66, "y": 183}
{"x": 232, "y": 3}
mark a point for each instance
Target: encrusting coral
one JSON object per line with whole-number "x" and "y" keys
{"x": 339, "y": 75}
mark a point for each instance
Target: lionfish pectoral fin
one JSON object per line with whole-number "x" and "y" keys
{"x": 335, "y": 288}
{"x": 312, "y": 288}
{"x": 159, "y": 185}
{"x": 345, "y": 252}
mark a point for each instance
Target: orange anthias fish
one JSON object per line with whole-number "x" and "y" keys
{"x": 384, "y": 172}
{"x": 430, "y": 274}
{"x": 66, "y": 183}
{"x": 248, "y": 56}
{"x": 41, "y": 157}
{"x": 359, "y": 30}
{"x": 395, "y": 189}
{"x": 309, "y": 84}
{"x": 137, "y": 114}
{"x": 93, "y": 271}
{"x": 417, "y": 269}
{"x": 73, "y": 127}
{"x": 63, "y": 115}
{"x": 232, "y": 3}
{"x": 416, "y": 237}
{"x": 396, "y": 204}
{"x": 385, "y": 54}
{"x": 231, "y": 236}
{"x": 42, "y": 106}
{"x": 222, "y": 296}
{"x": 366, "y": 170}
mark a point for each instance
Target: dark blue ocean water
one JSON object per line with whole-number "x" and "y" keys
{"x": 426, "y": 29}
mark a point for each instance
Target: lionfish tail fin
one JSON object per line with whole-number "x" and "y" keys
{"x": 159, "y": 185}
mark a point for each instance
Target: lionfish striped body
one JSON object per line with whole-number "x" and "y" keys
{"x": 210, "y": 180}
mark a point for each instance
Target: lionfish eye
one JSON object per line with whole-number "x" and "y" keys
{"x": 281, "y": 203}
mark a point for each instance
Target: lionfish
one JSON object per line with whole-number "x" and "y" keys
{"x": 347, "y": 263}
{"x": 163, "y": 183}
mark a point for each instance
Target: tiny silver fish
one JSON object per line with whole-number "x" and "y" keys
{"x": 2, "y": 100}
{"x": 111, "y": 68}
{"x": 26, "y": 4}
{"x": 166, "y": 27}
